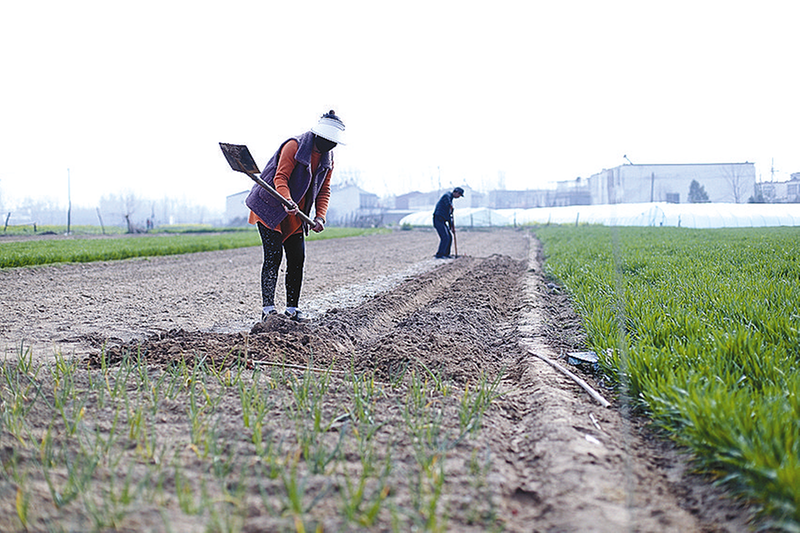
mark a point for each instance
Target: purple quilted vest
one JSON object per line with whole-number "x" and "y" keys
{"x": 301, "y": 182}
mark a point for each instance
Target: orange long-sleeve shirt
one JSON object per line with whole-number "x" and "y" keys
{"x": 292, "y": 224}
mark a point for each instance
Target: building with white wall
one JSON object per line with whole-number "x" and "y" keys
{"x": 349, "y": 205}
{"x": 236, "y": 213}
{"x": 779, "y": 192}
{"x": 723, "y": 183}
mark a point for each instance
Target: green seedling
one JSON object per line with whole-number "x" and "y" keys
{"x": 109, "y": 508}
{"x": 219, "y": 451}
{"x": 255, "y": 406}
{"x": 73, "y": 416}
{"x": 357, "y": 505}
{"x": 200, "y": 407}
{"x": 63, "y": 369}
{"x": 317, "y": 454}
{"x": 18, "y": 395}
{"x": 188, "y": 501}
{"x": 427, "y": 493}
{"x": 269, "y": 457}
{"x": 224, "y": 376}
{"x": 120, "y": 378}
{"x": 294, "y": 485}
{"x": 439, "y": 385}
{"x": 142, "y": 432}
{"x": 227, "y": 512}
{"x": 474, "y": 403}
{"x": 363, "y": 397}
{"x": 80, "y": 472}
{"x": 423, "y": 415}
{"x": 22, "y": 505}
{"x": 308, "y": 394}
{"x": 485, "y": 510}
{"x": 173, "y": 380}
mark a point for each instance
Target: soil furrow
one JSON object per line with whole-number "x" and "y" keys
{"x": 371, "y": 320}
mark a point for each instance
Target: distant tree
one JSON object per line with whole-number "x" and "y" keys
{"x": 738, "y": 182}
{"x": 349, "y": 176}
{"x": 697, "y": 193}
{"x": 123, "y": 207}
{"x": 131, "y": 203}
{"x": 42, "y": 211}
{"x": 501, "y": 180}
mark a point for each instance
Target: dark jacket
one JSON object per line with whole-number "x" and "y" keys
{"x": 444, "y": 208}
{"x": 301, "y": 182}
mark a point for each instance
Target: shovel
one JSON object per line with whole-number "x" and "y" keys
{"x": 240, "y": 160}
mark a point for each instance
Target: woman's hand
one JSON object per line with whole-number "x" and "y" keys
{"x": 319, "y": 225}
{"x": 291, "y": 210}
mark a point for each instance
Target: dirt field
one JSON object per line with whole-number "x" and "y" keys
{"x": 555, "y": 459}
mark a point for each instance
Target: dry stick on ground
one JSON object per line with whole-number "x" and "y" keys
{"x": 593, "y": 393}
{"x": 300, "y": 367}
{"x": 594, "y": 421}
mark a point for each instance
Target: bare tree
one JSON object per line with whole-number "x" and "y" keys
{"x": 737, "y": 180}
{"x": 501, "y": 180}
{"x": 41, "y": 211}
{"x": 130, "y": 203}
{"x": 349, "y": 176}
{"x": 123, "y": 206}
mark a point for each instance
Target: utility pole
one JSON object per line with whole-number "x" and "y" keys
{"x": 772, "y": 170}
{"x": 652, "y": 185}
{"x": 69, "y": 202}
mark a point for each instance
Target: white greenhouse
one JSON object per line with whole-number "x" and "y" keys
{"x": 709, "y": 215}
{"x": 468, "y": 217}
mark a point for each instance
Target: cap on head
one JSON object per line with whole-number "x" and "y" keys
{"x": 330, "y": 127}
{"x": 459, "y": 190}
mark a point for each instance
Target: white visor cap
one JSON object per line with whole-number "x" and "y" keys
{"x": 331, "y": 129}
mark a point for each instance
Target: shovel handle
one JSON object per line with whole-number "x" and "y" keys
{"x": 278, "y": 196}
{"x": 240, "y": 160}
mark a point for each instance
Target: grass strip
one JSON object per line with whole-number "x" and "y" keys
{"x": 701, "y": 329}
{"x": 52, "y": 229}
{"x": 86, "y": 250}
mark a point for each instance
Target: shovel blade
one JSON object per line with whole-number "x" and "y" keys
{"x": 239, "y": 158}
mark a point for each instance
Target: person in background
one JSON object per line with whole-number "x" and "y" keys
{"x": 443, "y": 222}
{"x": 301, "y": 172}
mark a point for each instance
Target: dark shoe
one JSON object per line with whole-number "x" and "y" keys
{"x": 297, "y": 316}
{"x": 265, "y": 315}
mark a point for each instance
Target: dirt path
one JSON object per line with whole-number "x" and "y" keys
{"x": 54, "y": 307}
{"x": 560, "y": 462}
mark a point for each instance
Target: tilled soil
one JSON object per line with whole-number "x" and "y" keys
{"x": 555, "y": 459}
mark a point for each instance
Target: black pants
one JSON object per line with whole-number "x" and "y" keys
{"x": 445, "y": 237}
{"x": 295, "y": 248}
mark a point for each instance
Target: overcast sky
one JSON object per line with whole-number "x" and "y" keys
{"x": 135, "y": 96}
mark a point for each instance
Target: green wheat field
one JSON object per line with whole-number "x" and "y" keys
{"x": 700, "y": 329}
